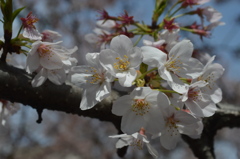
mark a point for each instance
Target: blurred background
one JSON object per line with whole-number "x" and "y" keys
{"x": 66, "y": 136}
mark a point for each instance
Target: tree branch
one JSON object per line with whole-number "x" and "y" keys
{"x": 15, "y": 86}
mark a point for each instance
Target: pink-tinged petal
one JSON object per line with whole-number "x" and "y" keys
{"x": 132, "y": 123}
{"x": 169, "y": 141}
{"x": 33, "y": 62}
{"x": 122, "y": 105}
{"x": 89, "y": 97}
{"x": 128, "y": 79}
{"x": 32, "y": 34}
{"x": 40, "y": 78}
{"x": 51, "y": 61}
{"x": 121, "y": 44}
{"x": 57, "y": 77}
{"x": 183, "y": 50}
{"x": 152, "y": 151}
{"x": 103, "y": 91}
{"x": 135, "y": 57}
{"x": 153, "y": 56}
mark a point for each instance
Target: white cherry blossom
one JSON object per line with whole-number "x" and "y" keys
{"x": 50, "y": 36}
{"x": 94, "y": 79}
{"x": 211, "y": 73}
{"x": 140, "y": 109}
{"x": 138, "y": 140}
{"x": 50, "y": 56}
{"x": 178, "y": 122}
{"x": 178, "y": 63}
{"x": 197, "y": 101}
{"x": 121, "y": 60}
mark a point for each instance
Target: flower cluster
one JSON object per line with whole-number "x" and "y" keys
{"x": 47, "y": 58}
{"x": 186, "y": 90}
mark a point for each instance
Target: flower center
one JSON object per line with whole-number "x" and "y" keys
{"x": 194, "y": 94}
{"x": 140, "y": 106}
{"x": 171, "y": 125}
{"x": 122, "y": 63}
{"x": 44, "y": 50}
{"x": 173, "y": 64}
{"x": 96, "y": 77}
{"x": 137, "y": 143}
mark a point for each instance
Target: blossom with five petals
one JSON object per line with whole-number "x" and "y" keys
{"x": 121, "y": 60}
{"x": 94, "y": 79}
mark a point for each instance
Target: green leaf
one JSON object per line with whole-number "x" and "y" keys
{"x": 143, "y": 67}
{"x": 16, "y": 12}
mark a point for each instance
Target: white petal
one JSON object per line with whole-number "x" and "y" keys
{"x": 107, "y": 59}
{"x": 169, "y": 141}
{"x": 153, "y": 56}
{"x": 51, "y": 61}
{"x": 103, "y": 91}
{"x": 89, "y": 97}
{"x": 152, "y": 151}
{"x": 122, "y": 105}
{"x": 58, "y": 77}
{"x": 131, "y": 122}
{"x": 33, "y": 62}
{"x": 93, "y": 59}
{"x": 135, "y": 57}
{"x": 121, "y": 44}
{"x": 182, "y": 49}
{"x": 127, "y": 80}
{"x": 40, "y": 78}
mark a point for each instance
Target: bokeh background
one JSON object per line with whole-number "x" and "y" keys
{"x": 66, "y": 136}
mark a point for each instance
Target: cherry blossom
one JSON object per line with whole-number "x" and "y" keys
{"x": 178, "y": 122}
{"x": 140, "y": 109}
{"x": 50, "y": 56}
{"x": 94, "y": 79}
{"x": 30, "y": 30}
{"x": 50, "y": 36}
{"x": 121, "y": 60}
{"x": 197, "y": 101}
{"x": 178, "y": 63}
{"x": 137, "y": 139}
{"x": 211, "y": 73}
